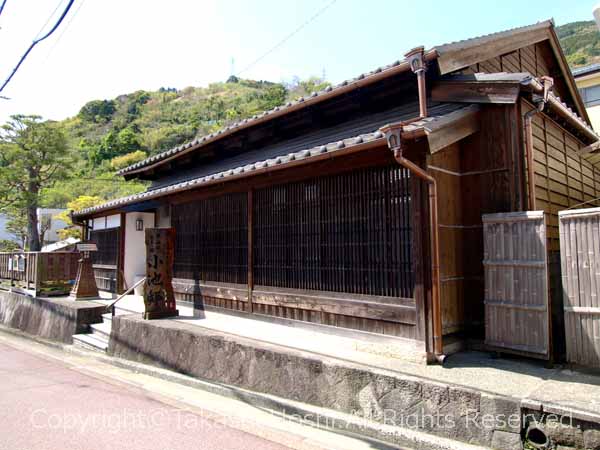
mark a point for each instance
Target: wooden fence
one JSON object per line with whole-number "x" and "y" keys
{"x": 580, "y": 263}
{"x": 517, "y": 311}
{"x": 39, "y": 273}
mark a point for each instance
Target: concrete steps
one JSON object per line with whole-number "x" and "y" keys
{"x": 91, "y": 341}
{"x": 97, "y": 338}
{"x": 99, "y": 334}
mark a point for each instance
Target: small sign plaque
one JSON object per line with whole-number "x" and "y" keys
{"x": 87, "y": 247}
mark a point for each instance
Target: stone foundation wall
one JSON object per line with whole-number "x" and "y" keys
{"x": 385, "y": 397}
{"x": 55, "y": 319}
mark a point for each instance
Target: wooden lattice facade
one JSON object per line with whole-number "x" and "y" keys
{"x": 344, "y": 233}
{"x": 106, "y": 260}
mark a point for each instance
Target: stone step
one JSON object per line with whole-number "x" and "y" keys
{"x": 90, "y": 342}
{"x": 102, "y": 329}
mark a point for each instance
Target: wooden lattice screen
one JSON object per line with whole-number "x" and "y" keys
{"x": 211, "y": 242}
{"x": 108, "y": 246}
{"x": 344, "y": 233}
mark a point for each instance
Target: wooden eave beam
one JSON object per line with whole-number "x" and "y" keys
{"x": 475, "y": 92}
{"x": 458, "y": 57}
{"x": 446, "y": 132}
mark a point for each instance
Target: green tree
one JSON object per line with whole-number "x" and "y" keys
{"x": 17, "y": 225}
{"x": 8, "y": 246}
{"x": 33, "y": 155}
{"x": 120, "y": 162}
{"x": 98, "y": 111}
{"x": 81, "y": 202}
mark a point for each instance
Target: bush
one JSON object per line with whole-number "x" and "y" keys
{"x": 120, "y": 162}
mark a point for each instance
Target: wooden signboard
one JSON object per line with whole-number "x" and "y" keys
{"x": 159, "y": 300}
{"x": 87, "y": 247}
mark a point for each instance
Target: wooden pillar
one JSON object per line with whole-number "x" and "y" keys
{"x": 420, "y": 255}
{"x": 121, "y": 284}
{"x": 250, "y": 280}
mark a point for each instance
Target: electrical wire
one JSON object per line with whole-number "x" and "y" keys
{"x": 37, "y": 41}
{"x": 288, "y": 37}
{"x": 48, "y": 19}
{"x": 2, "y": 6}
{"x": 65, "y": 28}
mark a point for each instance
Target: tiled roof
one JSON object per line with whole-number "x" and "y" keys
{"x": 344, "y": 86}
{"x": 585, "y": 70}
{"x": 259, "y": 165}
{"x": 478, "y": 40}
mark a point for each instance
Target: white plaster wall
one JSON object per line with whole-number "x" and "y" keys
{"x": 164, "y": 216}
{"x": 135, "y": 248}
{"x": 102, "y": 223}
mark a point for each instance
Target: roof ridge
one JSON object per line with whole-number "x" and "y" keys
{"x": 457, "y": 44}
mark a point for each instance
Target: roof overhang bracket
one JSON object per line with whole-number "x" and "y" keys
{"x": 475, "y": 92}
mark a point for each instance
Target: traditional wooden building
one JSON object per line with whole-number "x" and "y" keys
{"x": 361, "y": 206}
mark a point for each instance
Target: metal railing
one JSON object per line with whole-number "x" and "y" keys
{"x": 111, "y": 307}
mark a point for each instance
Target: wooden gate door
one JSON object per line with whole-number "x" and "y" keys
{"x": 580, "y": 265}
{"x": 517, "y": 310}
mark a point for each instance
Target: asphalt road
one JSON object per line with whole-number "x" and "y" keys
{"x": 45, "y": 404}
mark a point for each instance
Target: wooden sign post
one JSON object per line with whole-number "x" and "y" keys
{"x": 85, "y": 284}
{"x": 159, "y": 300}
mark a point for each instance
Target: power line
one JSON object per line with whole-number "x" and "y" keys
{"x": 2, "y": 6}
{"x": 66, "y": 27}
{"x": 288, "y": 37}
{"x": 48, "y": 19}
{"x": 37, "y": 41}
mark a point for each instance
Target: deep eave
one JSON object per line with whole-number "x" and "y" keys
{"x": 426, "y": 127}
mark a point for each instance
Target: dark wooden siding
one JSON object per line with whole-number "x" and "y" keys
{"x": 536, "y": 59}
{"x": 477, "y": 176}
{"x": 562, "y": 178}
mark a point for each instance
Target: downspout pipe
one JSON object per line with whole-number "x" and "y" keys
{"x": 416, "y": 60}
{"x": 540, "y": 102}
{"x": 395, "y": 143}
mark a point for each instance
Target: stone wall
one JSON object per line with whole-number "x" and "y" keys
{"x": 381, "y": 396}
{"x": 55, "y": 319}
{"x": 563, "y": 431}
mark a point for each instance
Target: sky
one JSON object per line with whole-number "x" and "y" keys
{"x": 105, "y": 48}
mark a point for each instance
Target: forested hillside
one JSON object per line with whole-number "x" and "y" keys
{"x": 107, "y": 135}
{"x": 580, "y": 42}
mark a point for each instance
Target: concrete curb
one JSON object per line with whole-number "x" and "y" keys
{"x": 378, "y": 435}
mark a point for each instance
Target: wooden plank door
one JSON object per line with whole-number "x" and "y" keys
{"x": 517, "y": 310}
{"x": 580, "y": 265}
